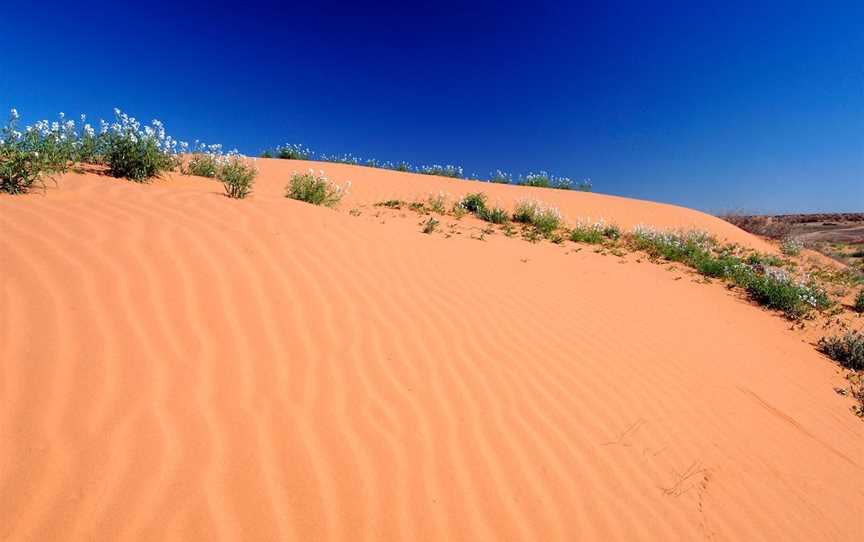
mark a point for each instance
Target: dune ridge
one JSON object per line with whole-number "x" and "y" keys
{"x": 180, "y": 366}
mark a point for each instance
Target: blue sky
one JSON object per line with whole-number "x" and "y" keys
{"x": 751, "y": 107}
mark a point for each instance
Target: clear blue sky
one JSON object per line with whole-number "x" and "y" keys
{"x": 757, "y": 106}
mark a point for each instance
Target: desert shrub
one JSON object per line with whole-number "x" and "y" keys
{"x": 500, "y": 177}
{"x": 437, "y": 203}
{"x": 136, "y": 154}
{"x": 775, "y": 290}
{"x": 768, "y": 286}
{"x": 340, "y": 159}
{"x": 206, "y": 161}
{"x": 859, "y": 302}
{"x": 673, "y": 246}
{"x": 237, "y": 176}
{"x": 315, "y": 189}
{"x": 266, "y": 154}
{"x": 791, "y": 246}
{"x": 430, "y": 225}
{"x": 757, "y": 258}
{"x": 542, "y": 180}
{"x": 547, "y": 180}
{"x": 443, "y": 171}
{"x": 391, "y": 203}
{"x": 545, "y": 220}
{"x": 292, "y": 151}
{"x": 525, "y": 210}
{"x": 584, "y": 185}
{"x": 28, "y": 159}
{"x": 594, "y": 233}
{"x": 474, "y": 203}
{"x": 847, "y": 350}
{"x": 458, "y": 210}
{"x": 495, "y": 215}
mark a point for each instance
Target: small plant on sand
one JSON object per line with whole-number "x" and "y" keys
{"x": 205, "y": 161}
{"x": 315, "y": 189}
{"x": 858, "y": 306}
{"x": 458, "y": 210}
{"x": 443, "y": 171}
{"x": 500, "y": 177}
{"x": 847, "y": 350}
{"x": 791, "y": 246}
{"x": 293, "y": 151}
{"x": 138, "y": 154}
{"x": 495, "y": 215}
{"x": 430, "y": 225}
{"x": 545, "y": 220}
{"x": 391, "y": 203}
{"x": 237, "y": 176}
{"x": 474, "y": 203}
{"x": 594, "y": 233}
{"x": 20, "y": 167}
{"x": 769, "y": 286}
{"x": 437, "y": 203}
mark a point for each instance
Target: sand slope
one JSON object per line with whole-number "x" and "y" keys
{"x": 180, "y": 366}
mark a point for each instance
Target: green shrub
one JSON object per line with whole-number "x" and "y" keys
{"x": 757, "y": 258}
{"x": 768, "y": 286}
{"x": 595, "y": 233}
{"x": 391, "y": 203}
{"x": 437, "y": 203}
{"x": 859, "y": 302}
{"x": 291, "y": 151}
{"x": 848, "y": 350}
{"x": 459, "y": 210}
{"x": 525, "y": 211}
{"x": 203, "y": 165}
{"x": 495, "y": 215}
{"x": 474, "y": 203}
{"x": 315, "y": 189}
{"x": 430, "y": 225}
{"x": 32, "y": 157}
{"x": 237, "y": 177}
{"x": 135, "y": 154}
{"x": 443, "y": 171}
{"x": 545, "y": 220}
{"x": 500, "y": 177}
{"x": 791, "y": 247}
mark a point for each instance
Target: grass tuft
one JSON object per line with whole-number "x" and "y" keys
{"x": 237, "y": 176}
{"x": 315, "y": 189}
{"x": 847, "y": 350}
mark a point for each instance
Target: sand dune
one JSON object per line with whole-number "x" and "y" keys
{"x": 181, "y": 366}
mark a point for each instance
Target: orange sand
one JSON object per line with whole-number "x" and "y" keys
{"x": 181, "y": 366}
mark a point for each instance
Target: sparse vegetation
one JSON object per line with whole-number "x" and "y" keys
{"x": 495, "y": 215}
{"x": 859, "y": 302}
{"x": 136, "y": 154}
{"x": 768, "y": 286}
{"x": 594, "y": 233}
{"x": 437, "y": 203}
{"x": 545, "y": 220}
{"x": 205, "y": 161}
{"x": 315, "y": 189}
{"x": 237, "y": 176}
{"x": 442, "y": 171}
{"x": 293, "y": 151}
{"x": 791, "y": 246}
{"x": 391, "y": 203}
{"x": 474, "y": 203}
{"x": 430, "y": 225}
{"x": 847, "y": 350}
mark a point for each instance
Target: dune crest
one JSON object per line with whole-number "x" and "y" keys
{"x": 178, "y": 365}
